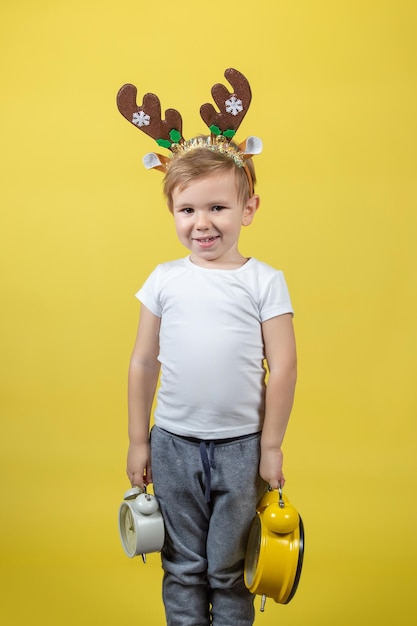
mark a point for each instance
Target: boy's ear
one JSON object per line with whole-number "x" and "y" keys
{"x": 252, "y": 205}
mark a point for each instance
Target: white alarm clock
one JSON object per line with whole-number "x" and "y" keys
{"x": 141, "y": 526}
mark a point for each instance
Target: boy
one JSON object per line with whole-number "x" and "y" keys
{"x": 210, "y": 320}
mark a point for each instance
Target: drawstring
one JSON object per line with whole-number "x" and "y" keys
{"x": 208, "y": 465}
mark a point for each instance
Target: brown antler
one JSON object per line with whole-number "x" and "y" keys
{"x": 147, "y": 117}
{"x": 233, "y": 105}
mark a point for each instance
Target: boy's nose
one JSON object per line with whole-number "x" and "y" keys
{"x": 202, "y": 221}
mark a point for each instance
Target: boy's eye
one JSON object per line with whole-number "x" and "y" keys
{"x": 217, "y": 207}
{"x": 187, "y": 210}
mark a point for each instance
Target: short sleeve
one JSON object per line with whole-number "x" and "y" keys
{"x": 149, "y": 293}
{"x": 274, "y": 297}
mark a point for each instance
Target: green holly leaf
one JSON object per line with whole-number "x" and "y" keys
{"x": 164, "y": 143}
{"x": 215, "y": 130}
{"x": 229, "y": 133}
{"x": 175, "y": 135}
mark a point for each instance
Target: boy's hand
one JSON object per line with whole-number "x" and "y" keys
{"x": 270, "y": 467}
{"x": 139, "y": 464}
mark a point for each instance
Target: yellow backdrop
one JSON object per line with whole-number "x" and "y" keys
{"x": 83, "y": 224}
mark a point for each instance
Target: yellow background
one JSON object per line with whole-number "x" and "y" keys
{"x": 83, "y": 224}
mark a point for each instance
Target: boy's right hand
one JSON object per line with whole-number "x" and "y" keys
{"x": 139, "y": 464}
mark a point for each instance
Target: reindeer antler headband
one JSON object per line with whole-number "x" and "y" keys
{"x": 223, "y": 125}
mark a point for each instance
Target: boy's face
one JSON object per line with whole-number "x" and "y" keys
{"x": 208, "y": 217}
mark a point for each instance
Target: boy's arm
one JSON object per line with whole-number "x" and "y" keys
{"x": 143, "y": 378}
{"x": 280, "y": 352}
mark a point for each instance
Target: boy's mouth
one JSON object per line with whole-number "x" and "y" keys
{"x": 206, "y": 242}
{"x": 206, "y": 239}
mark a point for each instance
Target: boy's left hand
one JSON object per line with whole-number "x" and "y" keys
{"x": 270, "y": 467}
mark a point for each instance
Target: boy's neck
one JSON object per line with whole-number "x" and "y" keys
{"x": 232, "y": 264}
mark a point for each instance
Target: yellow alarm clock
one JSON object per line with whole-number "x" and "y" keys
{"x": 275, "y": 550}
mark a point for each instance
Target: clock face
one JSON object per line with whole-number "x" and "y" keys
{"x": 253, "y": 550}
{"x": 127, "y": 529}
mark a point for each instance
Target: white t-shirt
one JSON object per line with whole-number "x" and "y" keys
{"x": 211, "y": 347}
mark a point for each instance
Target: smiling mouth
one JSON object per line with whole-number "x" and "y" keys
{"x": 206, "y": 243}
{"x": 206, "y": 239}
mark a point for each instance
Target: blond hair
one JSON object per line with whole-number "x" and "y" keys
{"x": 203, "y": 162}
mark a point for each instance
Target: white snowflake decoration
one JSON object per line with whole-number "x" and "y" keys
{"x": 141, "y": 119}
{"x": 234, "y": 105}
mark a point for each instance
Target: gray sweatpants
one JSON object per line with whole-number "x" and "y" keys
{"x": 208, "y": 495}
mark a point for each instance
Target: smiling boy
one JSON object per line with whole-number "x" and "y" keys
{"x": 210, "y": 320}
{"x": 210, "y": 323}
